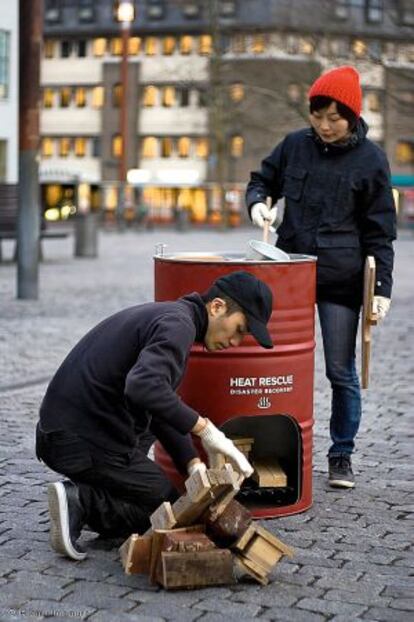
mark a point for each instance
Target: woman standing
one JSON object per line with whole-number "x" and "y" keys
{"x": 339, "y": 207}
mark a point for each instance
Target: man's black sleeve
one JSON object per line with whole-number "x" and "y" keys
{"x": 267, "y": 181}
{"x": 179, "y": 446}
{"x": 151, "y": 382}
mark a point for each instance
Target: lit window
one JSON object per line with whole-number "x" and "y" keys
{"x": 49, "y": 48}
{"x": 116, "y": 46}
{"x": 48, "y": 96}
{"x": 404, "y": 153}
{"x": 116, "y": 95}
{"x": 202, "y": 148}
{"x": 150, "y": 46}
{"x": 168, "y": 96}
{"x": 168, "y": 46}
{"x": 65, "y": 97}
{"x": 117, "y": 146}
{"x": 166, "y": 147}
{"x": 186, "y": 44}
{"x": 47, "y": 147}
{"x": 80, "y": 97}
{"x": 238, "y": 44}
{"x": 183, "y": 147}
{"x": 99, "y": 46}
{"x": 306, "y": 46}
{"x": 149, "y": 147}
{"x": 65, "y": 49}
{"x": 236, "y": 146}
{"x": 150, "y": 96}
{"x": 98, "y": 96}
{"x": 237, "y": 92}
{"x": 294, "y": 94}
{"x": 359, "y": 48}
{"x": 64, "y": 147}
{"x": 373, "y": 102}
{"x": 258, "y": 44}
{"x": 205, "y": 45}
{"x": 80, "y": 147}
{"x": 134, "y": 46}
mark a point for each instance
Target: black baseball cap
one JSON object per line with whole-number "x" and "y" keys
{"x": 254, "y": 297}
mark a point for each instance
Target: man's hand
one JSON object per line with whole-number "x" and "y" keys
{"x": 196, "y": 465}
{"x": 215, "y": 442}
{"x": 381, "y": 306}
{"x": 260, "y": 212}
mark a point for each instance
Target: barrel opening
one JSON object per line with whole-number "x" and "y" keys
{"x": 276, "y": 454}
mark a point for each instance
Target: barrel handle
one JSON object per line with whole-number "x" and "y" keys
{"x": 159, "y": 249}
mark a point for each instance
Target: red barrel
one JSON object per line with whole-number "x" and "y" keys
{"x": 248, "y": 391}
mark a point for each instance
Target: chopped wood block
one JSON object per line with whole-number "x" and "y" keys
{"x": 229, "y": 525}
{"x": 136, "y": 554}
{"x": 182, "y": 542}
{"x": 243, "y": 441}
{"x": 258, "y": 546}
{"x": 269, "y": 473}
{"x": 192, "y": 570}
{"x": 197, "y": 485}
{"x": 187, "y": 512}
{"x": 217, "y": 461}
{"x": 158, "y": 538}
{"x": 250, "y": 568}
{"x": 163, "y": 517}
{"x": 284, "y": 548}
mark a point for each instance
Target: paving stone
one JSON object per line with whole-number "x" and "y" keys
{"x": 320, "y": 605}
{"x": 228, "y": 608}
{"x": 286, "y": 614}
{"x": 110, "y": 616}
{"x": 166, "y": 611}
{"x": 388, "y": 615}
{"x": 52, "y": 609}
{"x": 406, "y": 604}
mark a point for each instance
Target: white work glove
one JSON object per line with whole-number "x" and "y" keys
{"x": 196, "y": 466}
{"x": 215, "y": 442}
{"x": 381, "y": 306}
{"x": 260, "y": 212}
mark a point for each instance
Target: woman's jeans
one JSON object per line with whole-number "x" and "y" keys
{"x": 339, "y": 326}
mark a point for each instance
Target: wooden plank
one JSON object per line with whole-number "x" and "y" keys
{"x": 284, "y": 548}
{"x": 187, "y": 512}
{"x": 246, "y": 566}
{"x": 243, "y": 541}
{"x": 136, "y": 554}
{"x": 163, "y": 517}
{"x": 229, "y": 525}
{"x": 158, "y": 538}
{"x": 368, "y": 319}
{"x": 199, "y": 569}
{"x": 269, "y": 473}
{"x": 197, "y": 485}
{"x": 187, "y": 542}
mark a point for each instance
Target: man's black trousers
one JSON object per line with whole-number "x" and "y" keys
{"x": 118, "y": 492}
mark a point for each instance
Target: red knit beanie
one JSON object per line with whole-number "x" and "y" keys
{"x": 341, "y": 84}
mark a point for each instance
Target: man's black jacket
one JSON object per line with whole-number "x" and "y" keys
{"x": 339, "y": 206}
{"x": 125, "y": 369}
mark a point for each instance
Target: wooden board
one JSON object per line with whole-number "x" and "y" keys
{"x": 199, "y": 569}
{"x": 158, "y": 539}
{"x": 269, "y": 473}
{"x": 226, "y": 528}
{"x": 136, "y": 554}
{"x": 368, "y": 319}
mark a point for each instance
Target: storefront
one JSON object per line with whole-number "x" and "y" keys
{"x": 403, "y": 188}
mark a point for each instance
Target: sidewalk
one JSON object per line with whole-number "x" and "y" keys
{"x": 354, "y": 558}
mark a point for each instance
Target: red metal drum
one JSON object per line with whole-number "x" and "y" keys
{"x": 250, "y": 391}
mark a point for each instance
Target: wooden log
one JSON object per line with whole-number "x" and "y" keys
{"x": 269, "y": 473}
{"x": 136, "y": 554}
{"x": 158, "y": 539}
{"x": 199, "y": 569}
{"x": 226, "y": 528}
{"x": 163, "y": 517}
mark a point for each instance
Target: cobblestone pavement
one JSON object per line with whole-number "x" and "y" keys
{"x": 354, "y": 558}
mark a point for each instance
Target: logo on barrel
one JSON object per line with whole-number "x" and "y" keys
{"x": 264, "y": 402}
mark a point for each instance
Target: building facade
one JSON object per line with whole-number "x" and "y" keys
{"x": 212, "y": 86}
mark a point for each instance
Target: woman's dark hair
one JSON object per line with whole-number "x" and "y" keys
{"x": 215, "y": 292}
{"x": 321, "y": 101}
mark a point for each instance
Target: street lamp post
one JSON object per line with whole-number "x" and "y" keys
{"x": 125, "y": 15}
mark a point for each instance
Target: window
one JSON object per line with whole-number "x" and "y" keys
{"x": 150, "y": 46}
{"x": 150, "y": 96}
{"x": 183, "y": 96}
{"x": 202, "y": 148}
{"x": 149, "y": 148}
{"x": 99, "y": 46}
{"x": 258, "y": 44}
{"x": 168, "y": 96}
{"x": 341, "y": 9}
{"x": 98, "y": 96}
{"x": 3, "y": 160}
{"x": 96, "y": 147}
{"x": 48, "y": 97}
{"x": 374, "y": 11}
{"x": 339, "y": 47}
{"x": 404, "y": 152}
{"x": 65, "y": 96}
{"x": 166, "y": 147}
{"x": 53, "y": 12}
{"x": 65, "y": 48}
{"x": 155, "y": 9}
{"x": 183, "y": 146}
{"x": 134, "y": 46}
{"x": 65, "y": 145}
{"x": 191, "y": 10}
{"x": 205, "y": 45}
{"x": 202, "y": 97}
{"x": 186, "y": 44}
{"x": 86, "y": 12}
{"x": 294, "y": 93}
{"x": 47, "y": 148}
{"x": 306, "y": 46}
{"x": 116, "y": 95}
{"x": 168, "y": 46}
{"x": 227, "y": 8}
{"x": 292, "y": 44}
{"x": 80, "y": 97}
{"x": 116, "y": 46}
{"x": 238, "y": 44}
{"x": 116, "y": 146}
{"x": 80, "y": 147}
{"x": 236, "y": 146}
{"x": 406, "y": 11}
{"x": 373, "y": 102}
{"x": 359, "y": 48}
{"x": 237, "y": 92}
{"x": 49, "y": 48}
{"x": 82, "y": 48}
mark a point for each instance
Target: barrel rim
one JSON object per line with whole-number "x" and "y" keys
{"x": 180, "y": 257}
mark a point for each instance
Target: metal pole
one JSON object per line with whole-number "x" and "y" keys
{"x": 123, "y": 122}
{"x": 28, "y": 218}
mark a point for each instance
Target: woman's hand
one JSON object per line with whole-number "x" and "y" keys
{"x": 381, "y": 306}
{"x": 260, "y": 212}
